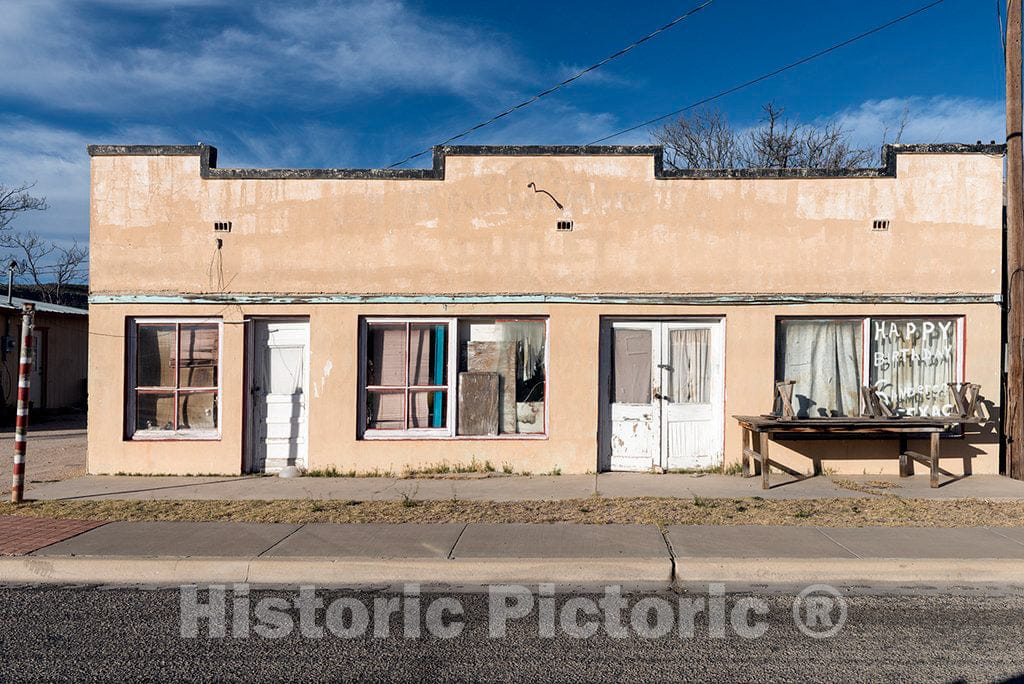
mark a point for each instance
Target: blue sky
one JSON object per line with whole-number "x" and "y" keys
{"x": 367, "y": 82}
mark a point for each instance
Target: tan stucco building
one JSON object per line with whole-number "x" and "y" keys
{"x": 536, "y": 308}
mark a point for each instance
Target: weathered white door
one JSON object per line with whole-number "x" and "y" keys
{"x": 693, "y": 405}
{"x": 279, "y": 395}
{"x": 635, "y": 409}
{"x": 665, "y": 394}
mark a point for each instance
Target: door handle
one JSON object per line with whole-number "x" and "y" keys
{"x": 659, "y": 395}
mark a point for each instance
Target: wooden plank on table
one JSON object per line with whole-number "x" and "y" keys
{"x": 478, "y": 404}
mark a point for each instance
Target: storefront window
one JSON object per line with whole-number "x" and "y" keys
{"x": 823, "y": 357}
{"x": 912, "y": 362}
{"x": 407, "y": 376}
{"x": 909, "y": 361}
{"x": 513, "y": 352}
{"x": 174, "y": 370}
{"x": 419, "y": 382}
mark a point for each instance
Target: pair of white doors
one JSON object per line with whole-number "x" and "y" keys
{"x": 664, "y": 394}
{"x": 278, "y": 394}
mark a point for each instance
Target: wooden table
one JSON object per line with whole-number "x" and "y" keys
{"x": 758, "y": 430}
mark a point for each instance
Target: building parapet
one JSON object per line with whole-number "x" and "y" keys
{"x": 208, "y": 161}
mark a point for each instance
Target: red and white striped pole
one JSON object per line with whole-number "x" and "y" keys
{"x": 21, "y": 425}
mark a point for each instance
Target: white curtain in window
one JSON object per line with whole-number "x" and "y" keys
{"x": 688, "y": 358}
{"x": 823, "y": 357}
{"x": 911, "y": 362}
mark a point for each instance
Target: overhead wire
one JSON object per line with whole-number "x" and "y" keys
{"x": 559, "y": 86}
{"x": 770, "y": 74}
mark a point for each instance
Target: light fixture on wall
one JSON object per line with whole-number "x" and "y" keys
{"x": 534, "y": 187}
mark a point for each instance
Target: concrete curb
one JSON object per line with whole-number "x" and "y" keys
{"x": 826, "y": 570}
{"x": 331, "y": 571}
{"x": 441, "y": 571}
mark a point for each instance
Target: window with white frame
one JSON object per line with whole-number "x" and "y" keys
{"x": 453, "y": 377}
{"x": 910, "y": 361}
{"x": 174, "y": 378}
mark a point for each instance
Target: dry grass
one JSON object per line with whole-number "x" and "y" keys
{"x": 887, "y": 511}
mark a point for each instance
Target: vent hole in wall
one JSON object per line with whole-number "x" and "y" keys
{"x": 563, "y": 226}
{"x": 880, "y": 224}
{"x": 222, "y": 226}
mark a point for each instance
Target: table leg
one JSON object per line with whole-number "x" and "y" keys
{"x": 935, "y": 460}
{"x": 766, "y": 437}
{"x": 904, "y": 458}
{"x": 746, "y": 452}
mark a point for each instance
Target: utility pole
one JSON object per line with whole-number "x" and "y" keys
{"x": 21, "y": 421}
{"x": 1014, "y": 422}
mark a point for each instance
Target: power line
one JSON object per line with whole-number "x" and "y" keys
{"x": 770, "y": 74}
{"x": 561, "y": 85}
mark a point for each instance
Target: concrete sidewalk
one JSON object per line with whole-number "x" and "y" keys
{"x": 474, "y": 554}
{"x": 518, "y": 488}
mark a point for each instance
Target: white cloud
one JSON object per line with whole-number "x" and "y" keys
{"x": 60, "y": 54}
{"x": 56, "y": 161}
{"x": 929, "y": 120}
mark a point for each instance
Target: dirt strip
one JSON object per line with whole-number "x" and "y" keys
{"x": 888, "y": 511}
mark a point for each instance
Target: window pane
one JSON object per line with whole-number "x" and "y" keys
{"x": 385, "y": 410}
{"x": 912, "y": 360}
{"x": 514, "y": 350}
{"x": 154, "y": 411}
{"x": 197, "y": 411}
{"x": 198, "y": 355}
{"x": 631, "y": 366}
{"x": 823, "y": 358}
{"x": 689, "y": 373}
{"x": 428, "y": 354}
{"x": 285, "y": 368}
{"x": 385, "y": 355}
{"x": 155, "y": 356}
{"x": 429, "y": 409}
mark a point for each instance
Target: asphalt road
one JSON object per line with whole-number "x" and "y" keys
{"x": 85, "y": 633}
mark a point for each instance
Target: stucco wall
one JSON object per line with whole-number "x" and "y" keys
{"x": 573, "y": 395}
{"x": 482, "y": 230}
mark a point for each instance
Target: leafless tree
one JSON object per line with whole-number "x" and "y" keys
{"x": 16, "y": 199}
{"x": 50, "y": 266}
{"x": 702, "y": 141}
{"x": 706, "y": 140}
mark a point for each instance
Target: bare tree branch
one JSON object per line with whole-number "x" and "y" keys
{"x": 49, "y": 266}
{"x": 15, "y": 200}
{"x": 705, "y": 140}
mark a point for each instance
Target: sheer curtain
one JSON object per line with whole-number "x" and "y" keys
{"x": 688, "y": 357}
{"x": 912, "y": 360}
{"x": 823, "y": 357}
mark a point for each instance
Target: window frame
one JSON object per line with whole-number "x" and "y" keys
{"x": 867, "y": 322}
{"x": 448, "y": 433}
{"x": 131, "y": 431}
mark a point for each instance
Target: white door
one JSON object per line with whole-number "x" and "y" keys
{"x": 279, "y": 395}
{"x": 635, "y": 410}
{"x": 665, "y": 395}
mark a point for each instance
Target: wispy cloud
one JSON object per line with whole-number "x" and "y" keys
{"x": 929, "y": 120}
{"x": 60, "y": 54}
{"x": 55, "y": 160}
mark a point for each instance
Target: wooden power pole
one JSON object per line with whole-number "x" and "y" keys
{"x": 1014, "y": 421}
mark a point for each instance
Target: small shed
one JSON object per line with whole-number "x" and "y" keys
{"x": 61, "y": 355}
